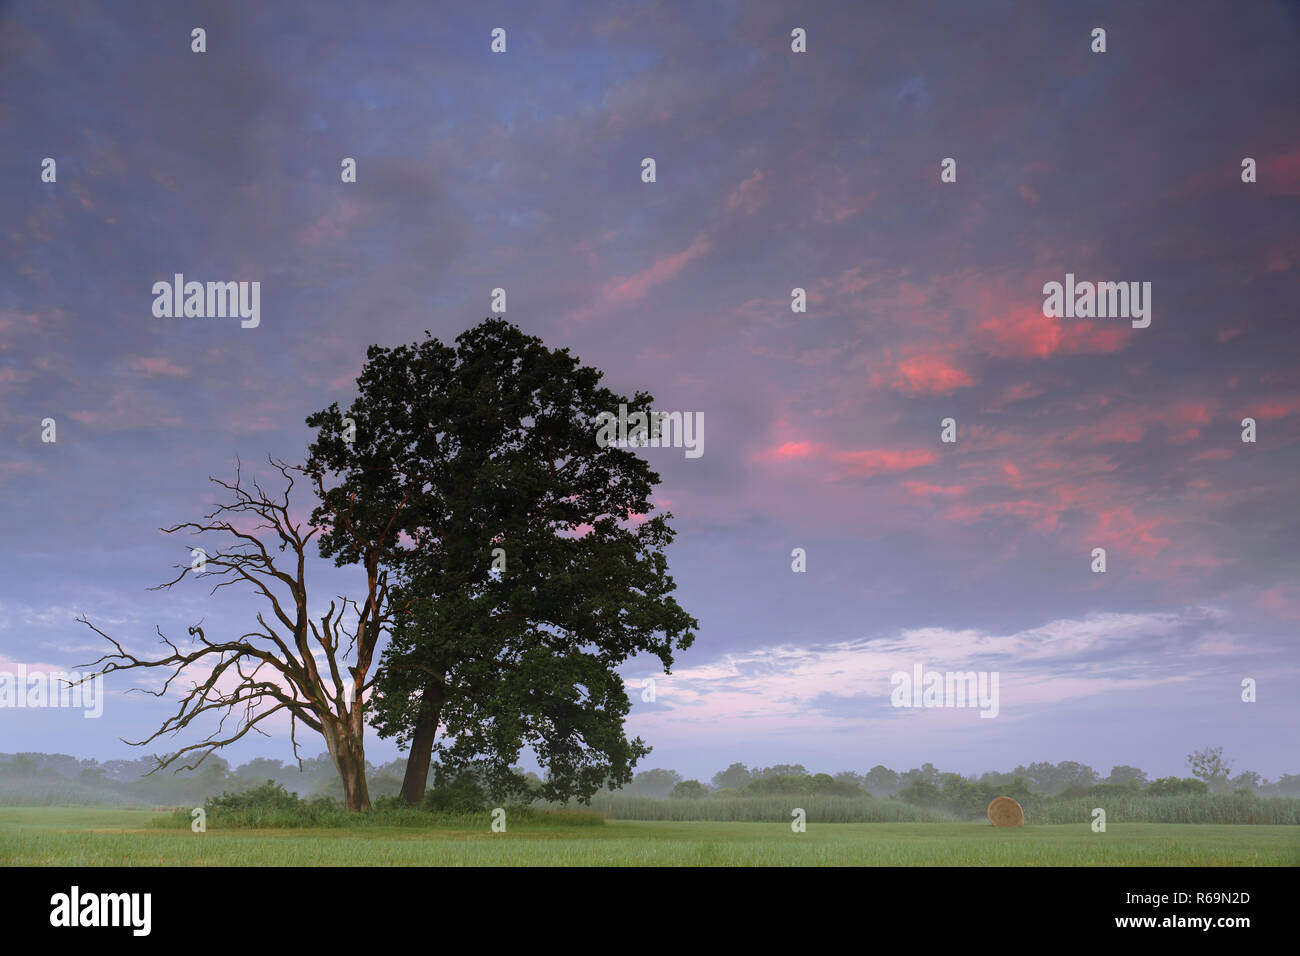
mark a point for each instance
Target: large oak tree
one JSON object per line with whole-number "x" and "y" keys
{"x": 529, "y": 567}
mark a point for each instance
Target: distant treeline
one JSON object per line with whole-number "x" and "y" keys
{"x": 38, "y": 778}
{"x": 35, "y": 779}
{"x": 1060, "y": 793}
{"x": 919, "y": 785}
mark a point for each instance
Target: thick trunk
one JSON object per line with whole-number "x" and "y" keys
{"x": 426, "y": 730}
{"x": 349, "y": 757}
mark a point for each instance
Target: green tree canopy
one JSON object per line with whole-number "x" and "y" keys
{"x": 735, "y": 776}
{"x": 529, "y": 565}
{"x": 689, "y": 790}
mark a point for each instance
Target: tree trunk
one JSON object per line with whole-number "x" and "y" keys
{"x": 426, "y": 730}
{"x": 349, "y": 758}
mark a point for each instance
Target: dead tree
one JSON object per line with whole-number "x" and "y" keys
{"x": 317, "y": 671}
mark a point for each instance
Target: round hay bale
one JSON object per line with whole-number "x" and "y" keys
{"x": 1005, "y": 812}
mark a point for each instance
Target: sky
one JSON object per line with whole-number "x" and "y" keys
{"x": 775, "y": 170}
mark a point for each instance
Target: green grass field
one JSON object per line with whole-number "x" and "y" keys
{"x": 79, "y": 836}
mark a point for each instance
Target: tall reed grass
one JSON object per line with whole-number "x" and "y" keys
{"x": 1181, "y": 808}
{"x": 764, "y": 809}
{"x": 59, "y": 793}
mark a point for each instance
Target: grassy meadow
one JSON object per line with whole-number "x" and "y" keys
{"x": 1120, "y": 808}
{"x": 81, "y": 836}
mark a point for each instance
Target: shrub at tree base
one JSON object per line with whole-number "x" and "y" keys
{"x": 271, "y": 806}
{"x": 460, "y": 794}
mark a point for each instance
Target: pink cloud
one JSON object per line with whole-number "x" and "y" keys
{"x": 1213, "y": 454}
{"x": 1276, "y": 408}
{"x": 1017, "y": 393}
{"x": 126, "y": 409}
{"x": 787, "y": 451}
{"x": 1281, "y": 174}
{"x": 1119, "y": 528}
{"x": 748, "y": 197}
{"x": 1281, "y": 256}
{"x": 838, "y": 212}
{"x": 155, "y": 366}
{"x": 329, "y": 226}
{"x": 1025, "y": 332}
{"x": 911, "y": 296}
{"x": 1120, "y": 427}
{"x": 929, "y": 375}
{"x": 8, "y": 468}
{"x": 876, "y": 461}
{"x": 1183, "y": 419}
{"x": 1275, "y": 174}
{"x": 925, "y": 490}
{"x": 13, "y": 376}
{"x": 347, "y": 379}
{"x": 1042, "y": 515}
{"x": 849, "y": 281}
{"x": 1113, "y": 525}
{"x": 621, "y": 291}
{"x": 1283, "y": 601}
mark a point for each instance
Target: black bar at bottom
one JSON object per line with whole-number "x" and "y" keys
{"x": 945, "y": 907}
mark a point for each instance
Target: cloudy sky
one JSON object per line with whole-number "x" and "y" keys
{"x": 775, "y": 170}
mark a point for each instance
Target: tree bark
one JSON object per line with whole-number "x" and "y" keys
{"x": 426, "y": 730}
{"x": 349, "y": 756}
